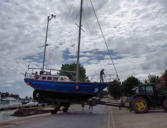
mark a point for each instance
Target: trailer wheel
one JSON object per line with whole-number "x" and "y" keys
{"x": 56, "y": 108}
{"x": 53, "y": 112}
{"x": 66, "y": 106}
{"x": 36, "y": 95}
{"x": 65, "y": 109}
{"x": 139, "y": 105}
{"x": 165, "y": 104}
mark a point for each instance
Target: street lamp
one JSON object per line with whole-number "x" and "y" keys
{"x": 49, "y": 18}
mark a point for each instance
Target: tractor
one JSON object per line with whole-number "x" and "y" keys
{"x": 147, "y": 96}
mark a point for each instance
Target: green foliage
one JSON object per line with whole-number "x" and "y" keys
{"x": 129, "y": 84}
{"x": 102, "y": 94}
{"x": 165, "y": 77}
{"x": 72, "y": 67}
{"x": 114, "y": 89}
{"x": 153, "y": 79}
{"x": 6, "y": 94}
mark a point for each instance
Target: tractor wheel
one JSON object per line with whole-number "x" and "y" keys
{"x": 139, "y": 105}
{"x": 165, "y": 104}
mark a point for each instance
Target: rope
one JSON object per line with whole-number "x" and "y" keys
{"x": 104, "y": 40}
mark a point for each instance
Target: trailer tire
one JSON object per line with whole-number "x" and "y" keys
{"x": 165, "y": 104}
{"x": 36, "y": 95}
{"x": 139, "y": 105}
{"x": 53, "y": 112}
{"x": 65, "y": 109}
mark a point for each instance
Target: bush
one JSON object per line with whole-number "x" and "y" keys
{"x": 130, "y": 83}
{"x": 114, "y": 89}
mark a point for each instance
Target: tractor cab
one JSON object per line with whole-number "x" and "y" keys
{"x": 145, "y": 90}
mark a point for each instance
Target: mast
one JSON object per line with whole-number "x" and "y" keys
{"x": 79, "y": 40}
{"x": 46, "y": 37}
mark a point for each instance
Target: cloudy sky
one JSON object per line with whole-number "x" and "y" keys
{"x": 136, "y": 33}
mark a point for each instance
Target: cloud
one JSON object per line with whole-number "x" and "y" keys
{"x": 135, "y": 32}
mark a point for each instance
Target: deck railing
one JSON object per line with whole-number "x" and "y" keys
{"x": 30, "y": 75}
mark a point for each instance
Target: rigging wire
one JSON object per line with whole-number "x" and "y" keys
{"x": 104, "y": 39}
{"x": 92, "y": 75}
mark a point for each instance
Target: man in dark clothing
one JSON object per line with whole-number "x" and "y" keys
{"x": 102, "y": 75}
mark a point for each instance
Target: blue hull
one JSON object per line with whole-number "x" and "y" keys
{"x": 67, "y": 87}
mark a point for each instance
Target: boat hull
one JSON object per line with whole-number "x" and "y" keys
{"x": 53, "y": 97}
{"x": 67, "y": 87}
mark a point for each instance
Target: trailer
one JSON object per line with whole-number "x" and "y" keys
{"x": 63, "y": 105}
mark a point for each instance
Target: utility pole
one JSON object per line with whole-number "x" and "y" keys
{"x": 49, "y": 18}
{"x": 79, "y": 40}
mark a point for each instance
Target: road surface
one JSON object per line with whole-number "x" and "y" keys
{"x": 125, "y": 119}
{"x": 6, "y": 115}
{"x": 99, "y": 118}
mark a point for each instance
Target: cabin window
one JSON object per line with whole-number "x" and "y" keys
{"x": 43, "y": 78}
{"x": 142, "y": 90}
{"x": 149, "y": 90}
{"x": 49, "y": 78}
{"x": 55, "y": 78}
{"x": 61, "y": 78}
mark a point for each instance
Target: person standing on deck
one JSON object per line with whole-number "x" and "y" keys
{"x": 102, "y": 75}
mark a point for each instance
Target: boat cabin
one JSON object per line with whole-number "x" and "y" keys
{"x": 46, "y": 76}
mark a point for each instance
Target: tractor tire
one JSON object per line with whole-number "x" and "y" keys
{"x": 164, "y": 105}
{"x": 139, "y": 105}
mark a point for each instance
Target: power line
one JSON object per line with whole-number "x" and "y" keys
{"x": 104, "y": 39}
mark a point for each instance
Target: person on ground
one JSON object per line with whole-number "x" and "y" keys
{"x": 120, "y": 103}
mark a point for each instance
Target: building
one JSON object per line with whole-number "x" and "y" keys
{"x": 10, "y": 100}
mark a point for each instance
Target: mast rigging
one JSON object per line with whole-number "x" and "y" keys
{"x": 105, "y": 40}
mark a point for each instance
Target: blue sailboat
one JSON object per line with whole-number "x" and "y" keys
{"x": 64, "y": 90}
{"x": 50, "y": 88}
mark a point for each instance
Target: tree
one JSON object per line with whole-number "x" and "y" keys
{"x": 114, "y": 89}
{"x": 153, "y": 79}
{"x": 102, "y": 94}
{"x": 165, "y": 78}
{"x": 26, "y": 98}
{"x": 72, "y": 67}
{"x": 129, "y": 84}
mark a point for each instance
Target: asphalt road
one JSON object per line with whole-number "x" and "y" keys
{"x": 6, "y": 115}
{"x": 125, "y": 119}
{"x": 99, "y": 118}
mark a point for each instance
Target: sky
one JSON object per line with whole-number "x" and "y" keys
{"x": 135, "y": 31}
